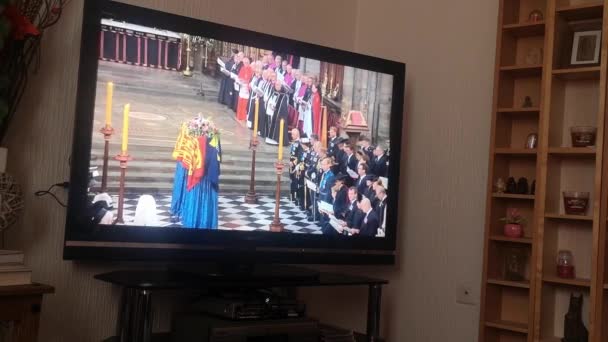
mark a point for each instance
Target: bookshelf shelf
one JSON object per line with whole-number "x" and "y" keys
{"x": 513, "y": 196}
{"x": 518, "y": 284}
{"x": 562, "y": 281}
{"x": 525, "y": 29}
{"x": 500, "y": 238}
{"x": 581, "y": 73}
{"x": 508, "y": 325}
{"x": 523, "y": 70}
{"x": 586, "y": 11}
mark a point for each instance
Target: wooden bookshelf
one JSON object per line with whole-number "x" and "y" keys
{"x": 506, "y": 310}
{"x": 562, "y": 96}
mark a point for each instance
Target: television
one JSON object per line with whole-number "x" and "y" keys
{"x": 199, "y": 141}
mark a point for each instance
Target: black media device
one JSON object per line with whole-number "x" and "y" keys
{"x": 165, "y": 112}
{"x": 202, "y": 328}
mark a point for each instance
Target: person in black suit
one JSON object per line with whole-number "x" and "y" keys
{"x": 370, "y": 191}
{"x": 341, "y": 198}
{"x": 349, "y": 162}
{"x": 380, "y": 206}
{"x": 361, "y": 183}
{"x": 370, "y": 224}
{"x": 380, "y": 162}
{"x": 227, "y": 83}
{"x": 339, "y": 195}
{"x": 366, "y": 147}
{"x": 353, "y": 216}
{"x": 295, "y": 158}
{"x": 333, "y": 141}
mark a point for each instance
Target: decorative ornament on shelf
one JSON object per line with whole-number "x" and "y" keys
{"x": 535, "y": 16}
{"x": 574, "y": 328}
{"x": 576, "y": 202}
{"x": 532, "y": 141}
{"x": 511, "y": 186}
{"x": 583, "y": 136}
{"x": 534, "y": 56}
{"x": 565, "y": 264}
{"x": 522, "y": 186}
{"x": 515, "y": 264}
{"x": 527, "y": 102}
{"x": 500, "y": 185}
{"x": 533, "y": 187}
{"x": 513, "y": 223}
{"x": 22, "y": 24}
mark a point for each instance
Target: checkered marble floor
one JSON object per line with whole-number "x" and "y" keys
{"x": 235, "y": 214}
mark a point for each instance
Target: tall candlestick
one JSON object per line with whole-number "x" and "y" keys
{"x": 255, "y": 119}
{"x": 125, "y": 128}
{"x": 281, "y": 140}
{"x": 109, "y": 95}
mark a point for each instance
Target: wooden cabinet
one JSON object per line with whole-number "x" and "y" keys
{"x": 547, "y": 97}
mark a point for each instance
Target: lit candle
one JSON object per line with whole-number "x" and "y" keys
{"x": 255, "y": 119}
{"x": 281, "y": 140}
{"x": 109, "y": 95}
{"x": 125, "y": 128}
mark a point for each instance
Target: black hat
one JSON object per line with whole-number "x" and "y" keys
{"x": 342, "y": 140}
{"x": 341, "y": 177}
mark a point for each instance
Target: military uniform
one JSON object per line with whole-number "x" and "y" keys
{"x": 333, "y": 146}
{"x": 312, "y": 174}
{"x": 303, "y": 201}
{"x": 295, "y": 155}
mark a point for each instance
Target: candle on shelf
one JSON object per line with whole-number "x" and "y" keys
{"x": 125, "y": 128}
{"x": 255, "y": 119}
{"x": 109, "y": 95}
{"x": 281, "y": 139}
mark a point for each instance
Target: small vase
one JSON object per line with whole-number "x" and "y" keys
{"x": 513, "y": 230}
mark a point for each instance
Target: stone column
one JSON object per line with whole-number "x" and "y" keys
{"x": 385, "y": 97}
{"x": 348, "y": 90}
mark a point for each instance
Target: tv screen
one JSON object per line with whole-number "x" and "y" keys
{"x": 195, "y": 140}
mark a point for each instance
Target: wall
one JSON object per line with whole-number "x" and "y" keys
{"x": 449, "y": 50}
{"x": 83, "y": 309}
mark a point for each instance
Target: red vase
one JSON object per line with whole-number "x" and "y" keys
{"x": 513, "y": 230}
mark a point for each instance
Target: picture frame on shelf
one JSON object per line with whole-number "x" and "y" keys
{"x": 586, "y": 47}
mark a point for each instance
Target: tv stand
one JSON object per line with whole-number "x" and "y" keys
{"x": 135, "y": 313}
{"x": 245, "y": 272}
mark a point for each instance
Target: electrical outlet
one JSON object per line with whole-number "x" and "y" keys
{"x": 465, "y": 295}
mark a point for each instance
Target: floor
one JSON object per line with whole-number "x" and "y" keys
{"x": 235, "y": 214}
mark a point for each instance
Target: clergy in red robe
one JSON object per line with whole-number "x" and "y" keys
{"x": 245, "y": 75}
{"x": 316, "y": 109}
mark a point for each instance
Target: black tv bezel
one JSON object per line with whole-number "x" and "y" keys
{"x": 211, "y": 245}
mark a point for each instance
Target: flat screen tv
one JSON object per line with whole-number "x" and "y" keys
{"x": 199, "y": 141}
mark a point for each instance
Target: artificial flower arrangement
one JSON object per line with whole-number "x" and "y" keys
{"x": 22, "y": 24}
